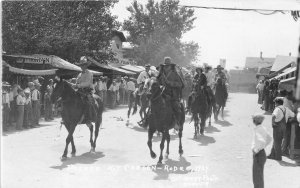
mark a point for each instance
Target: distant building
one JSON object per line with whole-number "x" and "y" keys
{"x": 256, "y": 68}
{"x": 283, "y": 61}
{"x": 122, "y": 49}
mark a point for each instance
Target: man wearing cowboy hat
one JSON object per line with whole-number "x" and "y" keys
{"x": 220, "y": 74}
{"x": 173, "y": 85}
{"x": 84, "y": 84}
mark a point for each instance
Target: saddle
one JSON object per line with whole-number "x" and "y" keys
{"x": 92, "y": 101}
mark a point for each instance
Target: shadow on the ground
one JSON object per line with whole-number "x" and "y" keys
{"x": 223, "y": 123}
{"x": 138, "y": 128}
{"x": 85, "y": 158}
{"x": 204, "y": 140}
{"x": 171, "y": 167}
{"x": 211, "y": 129}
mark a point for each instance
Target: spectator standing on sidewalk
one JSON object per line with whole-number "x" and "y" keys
{"x": 27, "y": 123}
{"x": 20, "y": 102}
{"x": 113, "y": 90}
{"x": 35, "y": 98}
{"x": 47, "y": 105}
{"x": 280, "y": 118}
{"x": 261, "y": 140}
{"x": 5, "y": 105}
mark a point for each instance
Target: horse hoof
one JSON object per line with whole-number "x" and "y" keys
{"x": 73, "y": 154}
{"x": 166, "y": 156}
{"x": 195, "y": 136}
{"x": 159, "y": 164}
{"x": 153, "y": 155}
{"x": 63, "y": 158}
{"x": 92, "y": 150}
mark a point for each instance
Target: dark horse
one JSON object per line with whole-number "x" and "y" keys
{"x": 143, "y": 103}
{"x": 162, "y": 119}
{"x": 202, "y": 108}
{"x": 73, "y": 113}
{"x": 221, "y": 96}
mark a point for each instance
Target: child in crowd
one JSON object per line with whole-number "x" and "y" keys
{"x": 260, "y": 141}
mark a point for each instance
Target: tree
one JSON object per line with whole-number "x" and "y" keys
{"x": 157, "y": 28}
{"x": 68, "y": 29}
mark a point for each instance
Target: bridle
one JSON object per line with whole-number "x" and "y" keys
{"x": 155, "y": 98}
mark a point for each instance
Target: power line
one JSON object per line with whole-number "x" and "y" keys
{"x": 295, "y": 14}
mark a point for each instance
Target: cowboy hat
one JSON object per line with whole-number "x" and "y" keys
{"x": 83, "y": 61}
{"x": 219, "y": 67}
{"x": 27, "y": 90}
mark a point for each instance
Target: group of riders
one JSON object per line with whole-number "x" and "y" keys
{"x": 171, "y": 80}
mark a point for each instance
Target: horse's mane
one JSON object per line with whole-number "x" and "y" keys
{"x": 69, "y": 87}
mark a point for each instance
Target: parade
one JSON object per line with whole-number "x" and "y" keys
{"x": 136, "y": 106}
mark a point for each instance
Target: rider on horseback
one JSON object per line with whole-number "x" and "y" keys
{"x": 141, "y": 82}
{"x": 84, "y": 84}
{"x": 173, "y": 83}
{"x": 200, "y": 84}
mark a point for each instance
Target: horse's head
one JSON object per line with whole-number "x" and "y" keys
{"x": 57, "y": 90}
{"x": 219, "y": 81}
{"x": 154, "y": 87}
{"x": 61, "y": 88}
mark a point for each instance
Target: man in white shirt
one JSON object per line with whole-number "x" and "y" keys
{"x": 85, "y": 86}
{"x": 5, "y": 104}
{"x": 209, "y": 76}
{"x": 141, "y": 82}
{"x": 35, "y": 98}
{"x": 280, "y": 117}
{"x": 261, "y": 139}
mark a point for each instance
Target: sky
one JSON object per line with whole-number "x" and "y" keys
{"x": 235, "y": 35}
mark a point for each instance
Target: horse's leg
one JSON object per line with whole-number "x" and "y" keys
{"x": 202, "y": 124}
{"x": 97, "y": 126}
{"x": 68, "y": 140}
{"x": 73, "y": 147}
{"x": 196, "y": 121}
{"x": 91, "y": 137}
{"x": 180, "y": 144}
{"x": 223, "y": 112}
{"x": 168, "y": 143}
{"x": 149, "y": 143}
{"x": 162, "y": 145}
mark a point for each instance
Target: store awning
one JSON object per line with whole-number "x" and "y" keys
{"x": 96, "y": 73}
{"x": 122, "y": 70}
{"x": 29, "y": 72}
{"x": 132, "y": 68}
{"x": 287, "y": 84}
{"x": 39, "y": 59}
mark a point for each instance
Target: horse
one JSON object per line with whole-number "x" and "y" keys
{"x": 143, "y": 103}
{"x": 162, "y": 119}
{"x": 221, "y": 96}
{"x": 201, "y": 109}
{"x": 73, "y": 113}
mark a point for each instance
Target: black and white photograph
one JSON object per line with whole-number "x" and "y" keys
{"x": 150, "y": 94}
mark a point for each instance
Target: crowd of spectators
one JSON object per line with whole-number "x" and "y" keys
{"x": 22, "y": 107}
{"x": 280, "y": 103}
